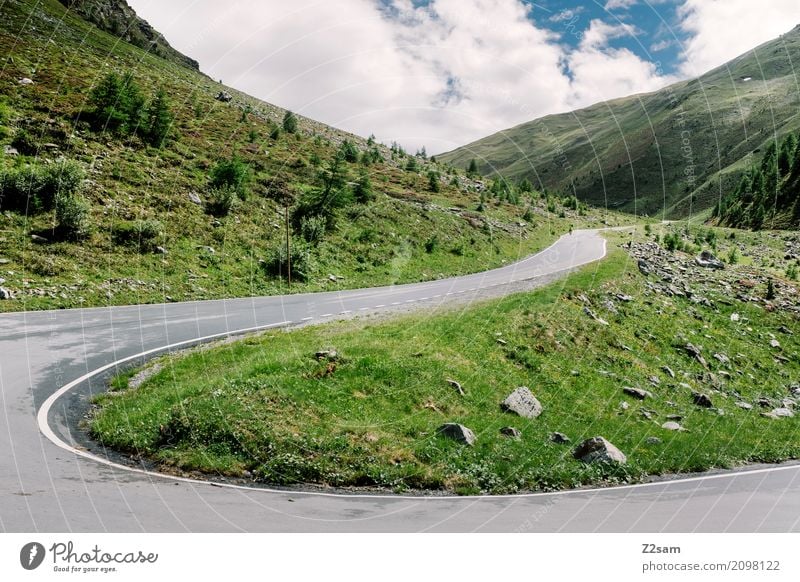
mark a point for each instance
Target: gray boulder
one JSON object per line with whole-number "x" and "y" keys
{"x": 637, "y": 393}
{"x": 224, "y": 96}
{"x": 5, "y": 294}
{"x": 598, "y": 450}
{"x": 457, "y": 432}
{"x": 559, "y": 438}
{"x": 511, "y": 432}
{"x": 701, "y": 399}
{"x": 522, "y": 403}
{"x": 709, "y": 261}
{"x": 672, "y": 425}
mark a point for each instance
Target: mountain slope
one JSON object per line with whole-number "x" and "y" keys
{"x": 672, "y": 152}
{"x": 200, "y": 213}
{"x": 120, "y": 20}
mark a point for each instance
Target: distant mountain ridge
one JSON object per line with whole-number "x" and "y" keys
{"x": 118, "y": 18}
{"x": 671, "y": 153}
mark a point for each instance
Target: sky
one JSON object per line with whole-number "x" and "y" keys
{"x": 443, "y": 73}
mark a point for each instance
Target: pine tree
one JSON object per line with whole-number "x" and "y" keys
{"x": 472, "y": 170}
{"x": 159, "y": 120}
{"x": 290, "y": 122}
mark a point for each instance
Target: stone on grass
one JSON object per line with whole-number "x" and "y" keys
{"x": 457, "y": 432}
{"x": 511, "y": 432}
{"x": 5, "y": 294}
{"x": 672, "y": 425}
{"x": 744, "y": 405}
{"x": 709, "y": 261}
{"x": 783, "y": 412}
{"x": 559, "y": 438}
{"x": 637, "y": 393}
{"x": 598, "y": 450}
{"x": 522, "y": 403}
{"x": 701, "y": 399}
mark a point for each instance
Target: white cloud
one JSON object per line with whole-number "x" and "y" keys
{"x": 620, "y": 4}
{"x": 720, "y": 30}
{"x": 662, "y": 45}
{"x": 439, "y": 75}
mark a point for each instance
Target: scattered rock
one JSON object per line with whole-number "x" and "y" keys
{"x": 224, "y": 96}
{"x": 773, "y": 343}
{"x": 722, "y": 358}
{"x": 744, "y": 405}
{"x": 594, "y": 316}
{"x": 329, "y": 355}
{"x": 701, "y": 399}
{"x": 501, "y": 341}
{"x": 734, "y": 317}
{"x": 783, "y": 412}
{"x": 624, "y": 405}
{"x": 522, "y": 402}
{"x": 161, "y": 251}
{"x": 764, "y": 402}
{"x": 624, "y": 298}
{"x": 694, "y": 351}
{"x": 511, "y": 432}
{"x": 457, "y": 386}
{"x": 5, "y": 294}
{"x": 25, "y": 81}
{"x": 559, "y": 438}
{"x": 207, "y": 249}
{"x": 194, "y": 198}
{"x": 38, "y": 239}
{"x": 598, "y": 450}
{"x": 668, "y": 371}
{"x": 675, "y": 417}
{"x": 672, "y": 425}
{"x": 709, "y": 261}
{"x": 653, "y": 440}
{"x": 332, "y": 278}
{"x": 4, "y": 261}
{"x": 654, "y": 380}
{"x": 637, "y": 392}
{"x": 644, "y": 267}
{"x": 10, "y": 151}
{"x": 457, "y": 432}
{"x": 785, "y": 330}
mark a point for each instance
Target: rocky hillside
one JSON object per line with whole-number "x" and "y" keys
{"x": 128, "y": 178}
{"x": 670, "y": 153}
{"x": 120, "y": 20}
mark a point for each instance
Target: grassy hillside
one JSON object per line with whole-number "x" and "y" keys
{"x": 266, "y": 410}
{"x": 668, "y": 153}
{"x": 94, "y": 210}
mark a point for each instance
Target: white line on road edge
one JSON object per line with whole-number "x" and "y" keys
{"x": 44, "y": 427}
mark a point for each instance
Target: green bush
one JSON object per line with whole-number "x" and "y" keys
{"x": 349, "y": 151}
{"x": 362, "y": 191}
{"x": 118, "y": 104}
{"x": 25, "y": 143}
{"x": 158, "y": 120}
{"x": 72, "y": 217}
{"x": 34, "y": 188}
{"x": 140, "y": 234}
{"x": 230, "y": 174}
{"x": 313, "y": 228}
{"x": 302, "y": 262}
{"x": 290, "y": 122}
{"x": 220, "y": 201}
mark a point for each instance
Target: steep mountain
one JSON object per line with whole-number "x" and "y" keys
{"x": 126, "y": 177}
{"x": 120, "y": 20}
{"x": 669, "y": 153}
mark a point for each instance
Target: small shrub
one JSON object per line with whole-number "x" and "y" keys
{"x": 72, "y": 217}
{"x": 230, "y": 174}
{"x": 25, "y": 143}
{"x": 313, "y": 228}
{"x": 290, "y": 122}
{"x": 140, "y": 234}
{"x": 349, "y": 151}
{"x": 302, "y": 262}
{"x": 362, "y": 191}
{"x": 220, "y": 201}
{"x": 431, "y": 244}
{"x": 433, "y": 181}
{"x": 733, "y": 256}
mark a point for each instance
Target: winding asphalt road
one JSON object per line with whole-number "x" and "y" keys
{"x": 48, "y": 486}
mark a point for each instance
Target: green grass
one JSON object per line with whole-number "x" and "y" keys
{"x": 266, "y": 409}
{"x": 378, "y": 243}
